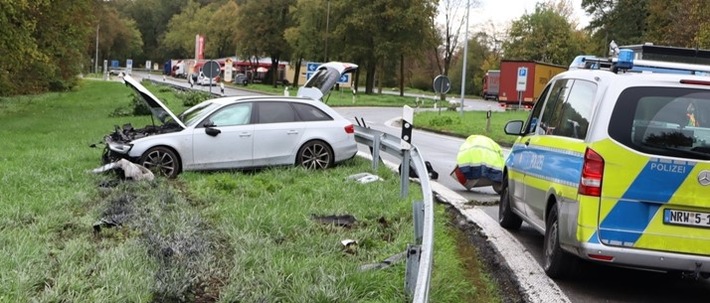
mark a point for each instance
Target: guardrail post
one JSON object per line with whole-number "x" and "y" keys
{"x": 404, "y": 174}
{"x": 418, "y": 211}
{"x": 412, "y": 271}
{"x": 376, "y": 151}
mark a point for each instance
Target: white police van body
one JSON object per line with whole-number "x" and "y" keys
{"x": 613, "y": 166}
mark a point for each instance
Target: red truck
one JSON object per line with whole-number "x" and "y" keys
{"x": 491, "y": 85}
{"x": 537, "y": 76}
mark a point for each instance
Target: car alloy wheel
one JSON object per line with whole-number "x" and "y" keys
{"x": 315, "y": 155}
{"x": 161, "y": 161}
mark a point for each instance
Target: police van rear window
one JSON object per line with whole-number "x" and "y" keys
{"x": 663, "y": 121}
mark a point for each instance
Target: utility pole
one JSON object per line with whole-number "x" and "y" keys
{"x": 465, "y": 56}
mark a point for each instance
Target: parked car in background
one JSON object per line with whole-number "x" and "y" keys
{"x": 239, "y": 132}
{"x": 204, "y": 80}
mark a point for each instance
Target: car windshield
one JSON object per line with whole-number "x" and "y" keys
{"x": 196, "y": 113}
{"x": 664, "y": 121}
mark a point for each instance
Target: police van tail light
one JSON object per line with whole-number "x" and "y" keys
{"x": 592, "y": 174}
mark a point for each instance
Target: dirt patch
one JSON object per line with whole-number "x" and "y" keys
{"x": 474, "y": 248}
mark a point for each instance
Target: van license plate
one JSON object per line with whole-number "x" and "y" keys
{"x": 690, "y": 218}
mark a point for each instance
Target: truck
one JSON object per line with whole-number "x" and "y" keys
{"x": 491, "y": 85}
{"x": 533, "y": 81}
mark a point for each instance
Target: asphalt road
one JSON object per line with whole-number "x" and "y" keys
{"x": 596, "y": 284}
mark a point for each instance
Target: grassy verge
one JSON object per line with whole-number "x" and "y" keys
{"x": 470, "y": 123}
{"x": 221, "y": 236}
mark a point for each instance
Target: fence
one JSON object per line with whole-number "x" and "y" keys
{"x": 420, "y": 254}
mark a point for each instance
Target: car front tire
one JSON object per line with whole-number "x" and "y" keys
{"x": 557, "y": 263}
{"x": 506, "y": 217}
{"x": 162, "y": 161}
{"x": 315, "y": 155}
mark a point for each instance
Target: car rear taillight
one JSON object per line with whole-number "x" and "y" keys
{"x": 590, "y": 183}
{"x": 350, "y": 129}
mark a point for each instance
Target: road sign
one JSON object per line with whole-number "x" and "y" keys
{"x": 442, "y": 84}
{"x": 522, "y": 82}
{"x": 311, "y": 67}
{"x": 211, "y": 69}
{"x": 344, "y": 79}
{"x": 129, "y": 66}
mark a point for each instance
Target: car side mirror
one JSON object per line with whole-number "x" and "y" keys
{"x": 514, "y": 127}
{"x": 212, "y": 131}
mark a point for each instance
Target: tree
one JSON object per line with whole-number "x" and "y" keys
{"x": 119, "y": 36}
{"x": 43, "y": 44}
{"x": 544, "y": 35}
{"x": 450, "y": 31}
{"x": 376, "y": 33}
{"x": 152, "y": 18}
{"x": 624, "y": 21}
{"x": 263, "y": 24}
{"x": 306, "y": 36}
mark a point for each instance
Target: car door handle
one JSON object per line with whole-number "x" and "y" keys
{"x": 245, "y": 134}
{"x": 292, "y": 132}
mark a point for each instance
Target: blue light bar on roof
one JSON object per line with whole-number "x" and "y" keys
{"x": 626, "y": 59}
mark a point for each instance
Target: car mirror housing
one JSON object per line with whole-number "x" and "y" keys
{"x": 514, "y": 127}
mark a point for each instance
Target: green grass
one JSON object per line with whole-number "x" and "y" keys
{"x": 470, "y": 123}
{"x": 226, "y": 236}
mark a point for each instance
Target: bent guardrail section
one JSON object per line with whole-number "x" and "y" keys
{"x": 420, "y": 254}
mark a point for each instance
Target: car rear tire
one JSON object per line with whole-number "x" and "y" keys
{"x": 315, "y": 155}
{"x": 506, "y": 217}
{"x": 557, "y": 263}
{"x": 162, "y": 161}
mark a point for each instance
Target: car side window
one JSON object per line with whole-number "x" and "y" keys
{"x": 552, "y": 113}
{"x": 534, "y": 118}
{"x": 577, "y": 110}
{"x": 310, "y": 113}
{"x": 237, "y": 114}
{"x": 276, "y": 112}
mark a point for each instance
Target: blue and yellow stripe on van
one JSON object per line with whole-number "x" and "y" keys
{"x": 636, "y": 189}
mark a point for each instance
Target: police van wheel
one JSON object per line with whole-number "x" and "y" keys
{"x": 506, "y": 217}
{"x": 557, "y": 262}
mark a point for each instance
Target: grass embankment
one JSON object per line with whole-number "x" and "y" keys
{"x": 470, "y": 123}
{"x": 204, "y": 237}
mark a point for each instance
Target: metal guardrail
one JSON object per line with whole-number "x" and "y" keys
{"x": 420, "y": 254}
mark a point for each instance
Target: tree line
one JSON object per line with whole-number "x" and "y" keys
{"x": 397, "y": 43}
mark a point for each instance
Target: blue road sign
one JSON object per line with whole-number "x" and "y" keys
{"x": 312, "y": 66}
{"x": 309, "y": 75}
{"x": 344, "y": 78}
{"x": 522, "y": 72}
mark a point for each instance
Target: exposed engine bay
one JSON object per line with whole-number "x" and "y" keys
{"x": 127, "y": 133}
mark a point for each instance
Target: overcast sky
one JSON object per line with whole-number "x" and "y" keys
{"x": 502, "y": 12}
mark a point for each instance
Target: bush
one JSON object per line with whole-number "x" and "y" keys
{"x": 442, "y": 121}
{"x": 194, "y": 97}
{"x": 139, "y": 106}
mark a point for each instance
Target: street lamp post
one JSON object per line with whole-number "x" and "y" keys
{"x": 96, "y": 53}
{"x": 465, "y": 56}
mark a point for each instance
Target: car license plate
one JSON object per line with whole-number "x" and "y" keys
{"x": 689, "y": 218}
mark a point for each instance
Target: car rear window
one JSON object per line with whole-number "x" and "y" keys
{"x": 310, "y": 113}
{"x": 664, "y": 121}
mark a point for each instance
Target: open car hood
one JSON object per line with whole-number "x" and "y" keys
{"x": 159, "y": 110}
{"x": 324, "y": 79}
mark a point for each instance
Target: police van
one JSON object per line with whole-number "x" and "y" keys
{"x": 613, "y": 166}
